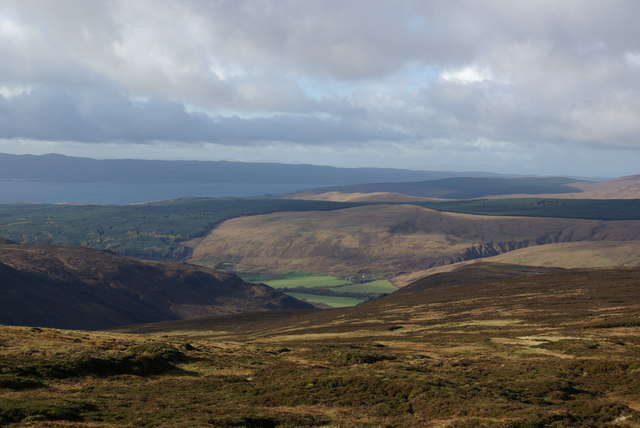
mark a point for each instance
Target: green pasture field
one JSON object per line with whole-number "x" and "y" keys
{"x": 381, "y": 286}
{"x": 331, "y": 301}
{"x": 299, "y": 279}
{"x": 313, "y": 281}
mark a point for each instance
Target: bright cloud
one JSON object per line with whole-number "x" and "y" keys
{"x": 466, "y": 75}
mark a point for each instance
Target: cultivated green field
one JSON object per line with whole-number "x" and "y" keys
{"x": 381, "y": 286}
{"x": 299, "y": 279}
{"x": 326, "y": 289}
{"x": 331, "y": 301}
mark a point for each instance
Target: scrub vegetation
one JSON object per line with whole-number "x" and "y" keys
{"x": 555, "y": 349}
{"x": 153, "y": 231}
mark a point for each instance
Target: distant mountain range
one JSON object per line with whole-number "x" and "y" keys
{"x": 59, "y": 168}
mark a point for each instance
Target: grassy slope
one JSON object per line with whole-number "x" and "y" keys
{"x": 619, "y": 188}
{"x": 301, "y": 279}
{"x": 463, "y": 187}
{"x": 386, "y": 239}
{"x": 381, "y": 286}
{"x": 559, "y": 349}
{"x": 330, "y": 301}
{"x": 159, "y": 230}
{"x": 359, "y": 197}
{"x": 565, "y": 255}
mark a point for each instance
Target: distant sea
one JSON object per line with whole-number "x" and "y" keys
{"x": 127, "y": 193}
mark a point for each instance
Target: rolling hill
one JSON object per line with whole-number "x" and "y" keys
{"x": 584, "y": 254}
{"x": 467, "y": 188}
{"x": 158, "y": 230}
{"x": 459, "y": 187}
{"x": 360, "y": 197}
{"x": 385, "y": 240}
{"x": 76, "y": 287}
{"x": 150, "y": 231}
{"x": 620, "y": 188}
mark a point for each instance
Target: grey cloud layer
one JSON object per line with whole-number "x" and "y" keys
{"x": 323, "y": 72}
{"x": 103, "y": 116}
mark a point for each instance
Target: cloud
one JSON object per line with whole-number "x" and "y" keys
{"x": 466, "y": 75}
{"x": 97, "y": 116}
{"x": 412, "y": 73}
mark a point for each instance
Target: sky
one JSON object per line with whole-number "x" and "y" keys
{"x": 517, "y": 86}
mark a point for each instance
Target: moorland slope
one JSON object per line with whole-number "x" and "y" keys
{"x": 557, "y": 349}
{"x": 554, "y": 349}
{"x": 76, "y": 287}
{"x": 627, "y": 187}
{"x": 359, "y": 197}
{"x": 584, "y": 254}
{"x": 386, "y": 239}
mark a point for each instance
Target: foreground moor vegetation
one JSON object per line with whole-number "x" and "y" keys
{"x": 536, "y": 348}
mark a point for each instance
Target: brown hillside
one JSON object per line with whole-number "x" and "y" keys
{"x": 386, "y": 239}
{"x": 508, "y": 300}
{"x": 361, "y": 197}
{"x": 558, "y": 349}
{"x": 620, "y": 188}
{"x": 76, "y": 287}
{"x": 583, "y": 254}
{"x": 478, "y": 272}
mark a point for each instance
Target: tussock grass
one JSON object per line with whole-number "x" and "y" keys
{"x": 469, "y": 365}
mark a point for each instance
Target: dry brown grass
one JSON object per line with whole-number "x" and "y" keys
{"x": 560, "y": 349}
{"x": 566, "y": 255}
{"x": 386, "y": 239}
{"x": 362, "y": 197}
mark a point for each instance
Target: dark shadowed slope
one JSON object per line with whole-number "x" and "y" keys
{"x": 76, "y": 287}
{"x": 475, "y": 273}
